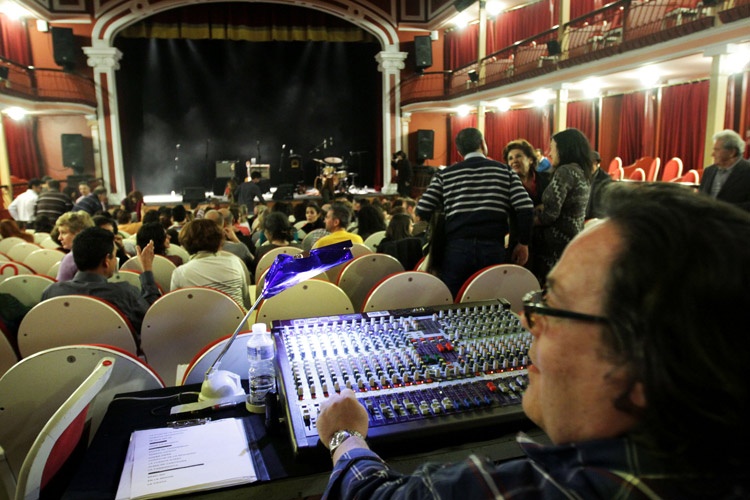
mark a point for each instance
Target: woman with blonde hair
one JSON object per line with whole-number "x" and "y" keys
{"x": 68, "y": 226}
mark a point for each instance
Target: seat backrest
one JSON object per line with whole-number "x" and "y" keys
{"x": 235, "y": 359}
{"x": 162, "y": 269}
{"x": 270, "y": 256}
{"x": 372, "y": 241}
{"x": 41, "y": 463}
{"x": 8, "y": 356}
{"x": 175, "y": 249}
{"x": 672, "y": 170}
{"x": 27, "y": 288}
{"x": 638, "y": 175}
{"x": 406, "y": 290}
{"x": 358, "y": 250}
{"x": 362, "y": 273}
{"x": 691, "y": 176}
{"x": 42, "y": 260}
{"x": 20, "y": 251}
{"x": 48, "y": 242}
{"x": 74, "y": 319}
{"x": 614, "y": 164}
{"x": 308, "y": 299}
{"x": 8, "y": 269}
{"x": 52, "y": 376}
{"x": 181, "y": 322}
{"x": 502, "y": 281}
{"x": 652, "y": 174}
{"x": 408, "y": 251}
{"x": 7, "y": 243}
{"x": 123, "y": 275}
{"x": 54, "y": 269}
{"x": 39, "y": 237}
{"x": 618, "y": 174}
{"x": 311, "y": 237}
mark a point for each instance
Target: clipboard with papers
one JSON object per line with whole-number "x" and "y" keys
{"x": 204, "y": 454}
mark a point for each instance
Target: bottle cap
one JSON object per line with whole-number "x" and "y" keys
{"x": 259, "y": 328}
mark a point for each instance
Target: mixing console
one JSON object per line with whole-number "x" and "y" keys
{"x": 418, "y": 372}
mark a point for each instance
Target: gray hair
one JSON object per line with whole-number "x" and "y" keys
{"x": 730, "y": 140}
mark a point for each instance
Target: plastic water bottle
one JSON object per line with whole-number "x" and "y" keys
{"x": 262, "y": 373}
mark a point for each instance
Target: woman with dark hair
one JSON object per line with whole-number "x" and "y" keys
{"x": 133, "y": 204}
{"x": 560, "y": 216}
{"x": 154, "y": 231}
{"x": 278, "y": 233}
{"x": 370, "y": 220}
{"x": 9, "y": 228}
{"x": 400, "y": 243}
{"x": 521, "y": 157}
{"x": 314, "y": 217}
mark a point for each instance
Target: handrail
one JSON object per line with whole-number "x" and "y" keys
{"x": 47, "y": 84}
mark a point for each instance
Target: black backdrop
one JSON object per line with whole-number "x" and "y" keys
{"x": 185, "y": 104}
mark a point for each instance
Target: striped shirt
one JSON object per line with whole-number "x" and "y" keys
{"x": 476, "y": 196}
{"x": 607, "y": 468}
{"x": 221, "y": 271}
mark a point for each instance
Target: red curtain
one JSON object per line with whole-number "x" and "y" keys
{"x": 580, "y": 8}
{"x": 532, "y": 124}
{"x": 636, "y": 137}
{"x": 519, "y": 24}
{"x": 457, "y": 124}
{"x": 684, "y": 109}
{"x": 21, "y": 144}
{"x": 462, "y": 46}
{"x": 15, "y": 41}
{"x": 582, "y": 115}
{"x": 745, "y": 123}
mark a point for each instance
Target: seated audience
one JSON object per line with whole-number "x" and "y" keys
{"x": 624, "y": 374}
{"x": 370, "y": 220}
{"x": 278, "y": 233}
{"x": 67, "y": 227}
{"x": 52, "y": 202}
{"x": 400, "y": 243}
{"x": 153, "y": 231}
{"x": 314, "y": 217}
{"x": 337, "y": 220}
{"x": 95, "y": 256}
{"x": 208, "y": 265}
{"x": 94, "y": 203}
{"x": 9, "y": 228}
{"x": 231, "y": 243}
{"x": 108, "y": 223}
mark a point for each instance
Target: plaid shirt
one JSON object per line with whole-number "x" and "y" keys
{"x": 611, "y": 468}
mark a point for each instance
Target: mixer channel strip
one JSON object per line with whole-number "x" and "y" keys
{"x": 418, "y": 372}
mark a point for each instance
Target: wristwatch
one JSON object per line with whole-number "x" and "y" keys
{"x": 340, "y": 436}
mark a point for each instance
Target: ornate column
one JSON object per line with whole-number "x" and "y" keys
{"x": 107, "y": 141}
{"x": 717, "y": 97}
{"x": 390, "y": 63}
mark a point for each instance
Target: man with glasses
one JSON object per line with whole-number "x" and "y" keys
{"x": 639, "y": 375}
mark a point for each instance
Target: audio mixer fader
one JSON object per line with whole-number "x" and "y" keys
{"x": 420, "y": 373}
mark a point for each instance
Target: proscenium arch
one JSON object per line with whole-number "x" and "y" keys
{"x": 104, "y": 58}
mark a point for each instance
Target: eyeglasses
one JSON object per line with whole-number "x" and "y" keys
{"x": 536, "y": 303}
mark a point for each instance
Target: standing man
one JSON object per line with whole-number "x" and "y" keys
{"x": 728, "y": 179}
{"x": 337, "y": 220}
{"x": 22, "y": 208}
{"x": 476, "y": 195}
{"x": 402, "y": 165}
{"x": 94, "y": 203}
{"x": 52, "y": 202}
{"x": 620, "y": 353}
{"x": 599, "y": 179}
{"x": 248, "y": 192}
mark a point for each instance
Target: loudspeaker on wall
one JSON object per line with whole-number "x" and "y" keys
{"x": 425, "y": 142}
{"x": 64, "y": 47}
{"x": 423, "y": 51}
{"x": 72, "y": 151}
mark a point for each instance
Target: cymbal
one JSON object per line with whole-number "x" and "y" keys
{"x": 318, "y": 160}
{"x": 333, "y": 160}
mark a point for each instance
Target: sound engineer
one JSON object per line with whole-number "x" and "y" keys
{"x": 640, "y": 368}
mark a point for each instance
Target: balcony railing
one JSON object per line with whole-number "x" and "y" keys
{"x": 39, "y": 84}
{"x": 618, "y": 27}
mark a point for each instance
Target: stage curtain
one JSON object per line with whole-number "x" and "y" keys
{"x": 635, "y": 127}
{"x": 684, "y": 109}
{"x": 520, "y": 24}
{"x": 21, "y": 144}
{"x": 532, "y": 124}
{"x": 457, "y": 124}
{"x": 745, "y": 123}
{"x": 580, "y": 8}
{"x": 15, "y": 41}
{"x": 582, "y": 115}
{"x": 462, "y": 46}
{"x": 246, "y": 21}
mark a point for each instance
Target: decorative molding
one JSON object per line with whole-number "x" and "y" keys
{"x": 103, "y": 59}
{"x": 389, "y": 61}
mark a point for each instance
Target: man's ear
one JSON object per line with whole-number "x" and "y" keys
{"x": 638, "y": 395}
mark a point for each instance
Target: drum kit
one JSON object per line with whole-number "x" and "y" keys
{"x": 333, "y": 174}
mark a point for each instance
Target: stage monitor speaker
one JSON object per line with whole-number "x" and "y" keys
{"x": 72, "y": 151}
{"x": 193, "y": 195}
{"x": 225, "y": 168}
{"x": 425, "y": 143}
{"x": 553, "y": 48}
{"x": 284, "y": 192}
{"x": 219, "y": 185}
{"x": 423, "y": 51}
{"x": 64, "y": 47}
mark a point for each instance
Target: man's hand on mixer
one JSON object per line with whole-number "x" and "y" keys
{"x": 342, "y": 412}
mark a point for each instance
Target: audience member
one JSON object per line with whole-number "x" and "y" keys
{"x": 728, "y": 179}
{"x": 208, "y": 266}
{"x": 95, "y": 256}
{"x": 620, "y": 357}
{"x": 521, "y": 157}
{"x": 401, "y": 164}
{"x": 9, "y": 229}
{"x": 83, "y": 190}
{"x": 371, "y": 220}
{"x": 124, "y": 223}
{"x": 68, "y": 226}
{"x": 133, "y": 204}
{"x": 248, "y": 192}
{"x": 231, "y": 243}
{"x": 599, "y": 179}
{"x": 43, "y": 224}
{"x": 476, "y": 196}
{"x": 108, "y": 223}
{"x": 314, "y": 218}
{"x": 561, "y": 215}
{"x": 542, "y": 163}
{"x": 153, "y": 231}
{"x": 278, "y": 233}
{"x": 165, "y": 216}
{"x": 94, "y": 203}
{"x": 400, "y": 243}
{"x": 22, "y": 207}
{"x": 52, "y": 202}
{"x": 337, "y": 220}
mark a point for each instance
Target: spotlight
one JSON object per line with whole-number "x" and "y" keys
{"x": 473, "y": 76}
